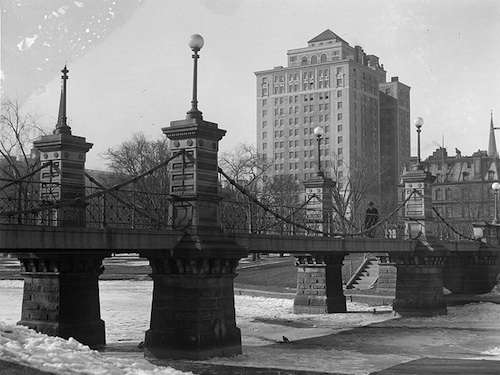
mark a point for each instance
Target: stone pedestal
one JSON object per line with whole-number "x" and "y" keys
{"x": 61, "y": 296}
{"x": 419, "y": 285}
{"x": 319, "y": 209}
{"x": 192, "y": 313}
{"x": 319, "y": 285}
{"x": 387, "y": 276}
{"x": 471, "y": 273}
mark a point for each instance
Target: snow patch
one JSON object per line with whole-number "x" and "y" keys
{"x": 27, "y": 347}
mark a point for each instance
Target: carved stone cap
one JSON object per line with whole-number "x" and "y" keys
{"x": 418, "y": 175}
{"x": 55, "y": 142}
{"x": 319, "y": 182}
{"x": 194, "y": 128}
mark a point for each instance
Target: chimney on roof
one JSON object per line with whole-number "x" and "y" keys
{"x": 395, "y": 79}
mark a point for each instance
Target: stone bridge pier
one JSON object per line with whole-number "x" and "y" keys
{"x": 319, "y": 284}
{"x": 61, "y": 292}
{"x": 61, "y": 296}
{"x": 192, "y": 314}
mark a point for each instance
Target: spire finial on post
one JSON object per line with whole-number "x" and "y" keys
{"x": 195, "y": 43}
{"x": 492, "y": 143}
{"x": 62, "y": 120}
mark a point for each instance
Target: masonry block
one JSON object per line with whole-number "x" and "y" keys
{"x": 319, "y": 285}
{"x": 471, "y": 272}
{"x": 192, "y": 315}
{"x": 61, "y": 296}
{"x": 419, "y": 285}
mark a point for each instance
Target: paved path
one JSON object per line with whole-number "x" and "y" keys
{"x": 443, "y": 366}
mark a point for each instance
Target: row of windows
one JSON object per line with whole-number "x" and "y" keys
{"x": 307, "y": 154}
{"x": 307, "y": 165}
{"x": 295, "y": 98}
{"x": 295, "y": 132}
{"x": 295, "y": 143}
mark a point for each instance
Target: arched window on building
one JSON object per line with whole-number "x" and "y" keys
{"x": 303, "y": 61}
{"x": 323, "y": 58}
{"x": 314, "y": 60}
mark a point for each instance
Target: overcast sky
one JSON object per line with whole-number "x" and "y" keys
{"x": 134, "y": 73}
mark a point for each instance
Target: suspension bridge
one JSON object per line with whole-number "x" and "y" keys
{"x": 61, "y": 222}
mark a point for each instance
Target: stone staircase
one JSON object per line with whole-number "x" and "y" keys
{"x": 366, "y": 275}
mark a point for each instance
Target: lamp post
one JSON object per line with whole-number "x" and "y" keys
{"x": 418, "y": 124}
{"x": 496, "y": 187}
{"x": 318, "y": 132}
{"x": 195, "y": 43}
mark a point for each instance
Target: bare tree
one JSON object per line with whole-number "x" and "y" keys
{"x": 18, "y": 130}
{"x": 19, "y": 184}
{"x": 351, "y": 194}
{"x": 137, "y": 155}
{"x": 245, "y": 166}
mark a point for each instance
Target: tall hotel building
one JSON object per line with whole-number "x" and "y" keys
{"x": 366, "y": 120}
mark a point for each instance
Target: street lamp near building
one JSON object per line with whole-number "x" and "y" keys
{"x": 318, "y": 132}
{"x": 419, "y": 122}
{"x": 195, "y": 43}
{"x": 496, "y": 187}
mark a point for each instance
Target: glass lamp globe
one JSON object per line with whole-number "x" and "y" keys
{"x": 419, "y": 122}
{"x": 196, "y": 42}
{"x": 318, "y": 131}
{"x": 495, "y": 186}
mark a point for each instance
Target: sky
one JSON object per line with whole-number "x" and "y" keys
{"x": 131, "y": 69}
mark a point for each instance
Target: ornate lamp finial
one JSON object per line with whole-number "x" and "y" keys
{"x": 195, "y": 43}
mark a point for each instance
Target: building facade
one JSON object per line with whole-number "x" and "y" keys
{"x": 336, "y": 86}
{"x": 462, "y": 191}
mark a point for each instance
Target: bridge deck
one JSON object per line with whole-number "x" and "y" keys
{"x": 22, "y": 238}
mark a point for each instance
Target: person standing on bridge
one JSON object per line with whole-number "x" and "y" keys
{"x": 371, "y": 219}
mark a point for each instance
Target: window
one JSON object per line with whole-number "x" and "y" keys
{"x": 323, "y": 58}
{"x": 491, "y": 175}
{"x": 339, "y": 93}
{"x": 326, "y": 106}
{"x": 340, "y": 151}
{"x": 264, "y": 124}
{"x": 339, "y": 139}
{"x": 305, "y": 108}
{"x": 339, "y": 116}
{"x": 264, "y": 101}
{"x": 264, "y": 135}
{"x": 339, "y": 105}
{"x": 339, "y": 70}
{"x": 303, "y": 61}
{"x": 281, "y": 112}
{"x": 339, "y": 128}
{"x": 264, "y": 113}
{"x": 437, "y": 194}
{"x": 314, "y": 60}
{"x": 264, "y": 146}
{"x": 320, "y": 118}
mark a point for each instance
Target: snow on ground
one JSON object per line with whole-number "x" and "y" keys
{"x": 357, "y": 342}
{"x": 24, "y": 346}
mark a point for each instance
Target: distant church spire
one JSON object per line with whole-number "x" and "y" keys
{"x": 492, "y": 145}
{"x": 62, "y": 120}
